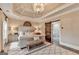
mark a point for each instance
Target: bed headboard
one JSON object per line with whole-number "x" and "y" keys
{"x": 27, "y": 23}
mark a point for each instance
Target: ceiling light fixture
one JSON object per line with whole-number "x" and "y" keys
{"x": 38, "y": 7}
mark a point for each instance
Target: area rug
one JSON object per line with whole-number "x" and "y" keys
{"x": 25, "y": 51}
{"x": 37, "y": 48}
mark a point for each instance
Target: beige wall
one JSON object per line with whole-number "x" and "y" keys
{"x": 1, "y": 19}
{"x": 70, "y": 31}
{"x": 0, "y": 30}
{"x": 16, "y": 23}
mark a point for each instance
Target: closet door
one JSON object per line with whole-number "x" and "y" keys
{"x": 48, "y": 31}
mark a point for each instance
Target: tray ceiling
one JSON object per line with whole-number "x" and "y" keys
{"x": 26, "y": 9}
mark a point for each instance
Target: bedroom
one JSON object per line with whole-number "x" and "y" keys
{"x": 32, "y": 27}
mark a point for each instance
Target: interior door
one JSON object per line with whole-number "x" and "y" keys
{"x": 56, "y": 32}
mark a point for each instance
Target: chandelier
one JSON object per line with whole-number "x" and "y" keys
{"x": 38, "y": 7}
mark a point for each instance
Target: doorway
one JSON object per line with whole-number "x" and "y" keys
{"x": 56, "y": 33}
{"x": 48, "y": 32}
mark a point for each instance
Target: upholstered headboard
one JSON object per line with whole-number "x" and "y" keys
{"x": 27, "y": 23}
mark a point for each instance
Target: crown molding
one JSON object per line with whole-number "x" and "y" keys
{"x": 57, "y": 9}
{"x": 43, "y": 17}
{"x": 66, "y": 12}
{"x": 54, "y": 11}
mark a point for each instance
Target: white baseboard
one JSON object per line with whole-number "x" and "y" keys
{"x": 69, "y": 45}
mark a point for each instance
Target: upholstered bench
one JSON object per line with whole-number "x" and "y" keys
{"x": 34, "y": 42}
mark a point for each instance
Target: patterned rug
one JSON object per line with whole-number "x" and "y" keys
{"x": 17, "y": 51}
